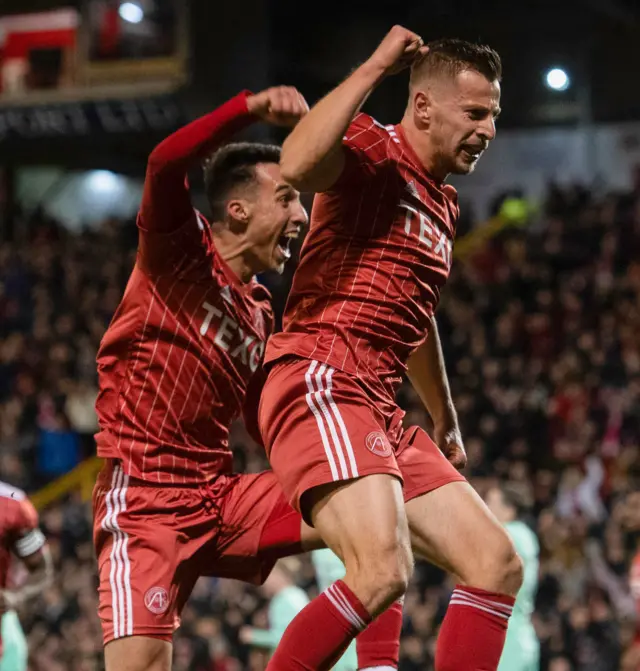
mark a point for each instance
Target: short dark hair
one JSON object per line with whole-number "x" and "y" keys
{"x": 231, "y": 166}
{"x": 452, "y": 56}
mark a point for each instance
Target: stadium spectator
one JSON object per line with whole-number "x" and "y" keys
{"x": 540, "y": 334}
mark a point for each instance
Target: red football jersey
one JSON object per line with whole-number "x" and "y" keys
{"x": 188, "y": 337}
{"x": 19, "y": 532}
{"x": 373, "y": 263}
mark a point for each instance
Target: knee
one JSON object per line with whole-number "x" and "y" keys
{"x": 383, "y": 576}
{"x": 509, "y": 570}
{"x": 500, "y": 569}
{"x": 510, "y": 574}
{"x": 390, "y": 573}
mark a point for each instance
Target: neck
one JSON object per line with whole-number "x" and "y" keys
{"x": 421, "y": 144}
{"x": 232, "y": 248}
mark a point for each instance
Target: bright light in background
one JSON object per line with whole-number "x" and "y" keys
{"x": 103, "y": 183}
{"x": 131, "y": 12}
{"x": 557, "y": 79}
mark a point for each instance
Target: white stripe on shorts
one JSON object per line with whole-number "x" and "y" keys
{"x": 120, "y": 569}
{"x": 333, "y": 431}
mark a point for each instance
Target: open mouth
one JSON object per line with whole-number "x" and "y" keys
{"x": 473, "y": 153}
{"x": 284, "y": 241}
{"x": 284, "y": 246}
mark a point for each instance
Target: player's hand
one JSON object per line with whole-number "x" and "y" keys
{"x": 279, "y": 105}
{"x": 399, "y": 49}
{"x": 449, "y": 440}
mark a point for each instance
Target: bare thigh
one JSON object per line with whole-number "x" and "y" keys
{"x": 138, "y": 653}
{"x": 452, "y": 527}
{"x": 364, "y": 522}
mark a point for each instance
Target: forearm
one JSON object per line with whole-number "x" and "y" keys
{"x": 190, "y": 144}
{"x": 428, "y": 376}
{"x": 166, "y": 200}
{"x": 312, "y": 158}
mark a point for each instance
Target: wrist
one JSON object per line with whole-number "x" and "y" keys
{"x": 250, "y": 102}
{"x": 446, "y": 418}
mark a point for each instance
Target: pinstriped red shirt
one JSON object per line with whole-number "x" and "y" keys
{"x": 373, "y": 264}
{"x": 187, "y": 339}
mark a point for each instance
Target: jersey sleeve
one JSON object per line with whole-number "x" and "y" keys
{"x": 365, "y": 152}
{"x": 27, "y": 537}
{"x": 169, "y": 227}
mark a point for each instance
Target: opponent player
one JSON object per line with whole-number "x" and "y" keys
{"x": 522, "y": 648}
{"x": 180, "y": 360}
{"x": 19, "y": 536}
{"x": 361, "y": 307}
{"x": 286, "y": 600}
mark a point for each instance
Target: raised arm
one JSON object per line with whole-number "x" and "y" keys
{"x": 428, "y": 376}
{"x": 166, "y": 203}
{"x": 312, "y": 156}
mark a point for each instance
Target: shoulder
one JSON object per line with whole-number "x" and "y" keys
{"x": 368, "y": 135}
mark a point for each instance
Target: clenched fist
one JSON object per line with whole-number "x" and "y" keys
{"x": 399, "y": 49}
{"x": 450, "y": 443}
{"x": 279, "y": 105}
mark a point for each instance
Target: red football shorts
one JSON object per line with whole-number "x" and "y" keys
{"x": 320, "y": 425}
{"x": 154, "y": 541}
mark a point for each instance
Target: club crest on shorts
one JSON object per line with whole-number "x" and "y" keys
{"x": 378, "y": 443}
{"x": 157, "y": 600}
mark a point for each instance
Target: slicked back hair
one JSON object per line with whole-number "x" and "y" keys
{"x": 232, "y": 166}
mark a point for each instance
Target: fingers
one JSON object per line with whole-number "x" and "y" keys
{"x": 456, "y": 455}
{"x": 279, "y": 104}
{"x": 286, "y": 102}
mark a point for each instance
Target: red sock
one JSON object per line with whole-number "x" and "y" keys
{"x": 473, "y": 631}
{"x": 320, "y": 633}
{"x": 378, "y": 646}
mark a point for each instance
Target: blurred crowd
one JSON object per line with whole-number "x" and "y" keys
{"x": 540, "y": 331}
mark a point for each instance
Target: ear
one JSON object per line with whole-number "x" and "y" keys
{"x": 238, "y": 212}
{"x": 422, "y": 108}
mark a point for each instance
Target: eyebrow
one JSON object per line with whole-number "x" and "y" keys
{"x": 284, "y": 187}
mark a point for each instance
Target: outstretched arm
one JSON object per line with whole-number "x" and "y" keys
{"x": 428, "y": 376}
{"x": 312, "y": 157}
